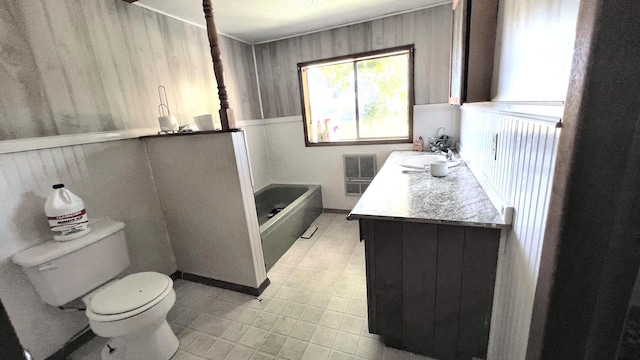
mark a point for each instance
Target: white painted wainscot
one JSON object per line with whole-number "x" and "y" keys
{"x": 511, "y": 149}
{"x": 278, "y": 153}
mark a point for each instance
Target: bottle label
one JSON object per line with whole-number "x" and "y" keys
{"x": 69, "y": 223}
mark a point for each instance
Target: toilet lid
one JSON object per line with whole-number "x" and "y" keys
{"x": 130, "y": 293}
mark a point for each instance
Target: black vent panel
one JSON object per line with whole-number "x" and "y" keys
{"x": 359, "y": 170}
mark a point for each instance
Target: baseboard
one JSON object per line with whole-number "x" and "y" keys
{"x": 176, "y": 275}
{"x": 336, "y": 211}
{"x": 72, "y": 346}
{"x": 224, "y": 284}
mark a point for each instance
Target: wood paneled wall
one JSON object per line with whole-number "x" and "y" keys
{"x": 522, "y": 173}
{"x": 429, "y": 29}
{"x": 80, "y": 66}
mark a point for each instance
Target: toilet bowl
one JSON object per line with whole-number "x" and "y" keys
{"x": 132, "y": 312}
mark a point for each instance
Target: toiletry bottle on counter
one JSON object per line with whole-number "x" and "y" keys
{"x": 418, "y": 145}
{"x": 66, "y": 214}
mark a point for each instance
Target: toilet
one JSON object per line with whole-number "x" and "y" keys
{"x": 131, "y": 311}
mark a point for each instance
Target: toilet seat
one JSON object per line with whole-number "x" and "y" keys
{"x": 130, "y": 296}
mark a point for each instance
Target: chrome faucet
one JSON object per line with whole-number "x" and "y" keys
{"x": 448, "y": 154}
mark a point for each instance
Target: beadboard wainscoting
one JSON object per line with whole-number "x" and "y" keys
{"x": 76, "y": 66}
{"x": 428, "y": 29}
{"x": 114, "y": 179}
{"x": 511, "y": 148}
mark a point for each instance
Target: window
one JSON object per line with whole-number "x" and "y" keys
{"x": 358, "y": 99}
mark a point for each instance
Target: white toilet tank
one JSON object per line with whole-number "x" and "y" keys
{"x": 65, "y": 271}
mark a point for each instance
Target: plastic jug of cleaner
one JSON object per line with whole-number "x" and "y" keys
{"x": 66, "y": 214}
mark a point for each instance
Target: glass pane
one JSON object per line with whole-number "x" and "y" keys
{"x": 383, "y": 98}
{"x": 332, "y": 103}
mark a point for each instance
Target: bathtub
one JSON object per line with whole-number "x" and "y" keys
{"x": 298, "y": 206}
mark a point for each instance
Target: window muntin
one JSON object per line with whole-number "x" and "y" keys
{"x": 362, "y": 98}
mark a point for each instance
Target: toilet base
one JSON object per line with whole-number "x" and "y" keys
{"x": 155, "y": 342}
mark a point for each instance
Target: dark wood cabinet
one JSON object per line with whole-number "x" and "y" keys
{"x": 472, "y": 50}
{"x": 430, "y": 286}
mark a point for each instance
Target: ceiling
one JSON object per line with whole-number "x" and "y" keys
{"x": 256, "y": 21}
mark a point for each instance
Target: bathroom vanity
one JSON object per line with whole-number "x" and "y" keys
{"x": 432, "y": 248}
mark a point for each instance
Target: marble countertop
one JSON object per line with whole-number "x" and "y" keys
{"x": 414, "y": 195}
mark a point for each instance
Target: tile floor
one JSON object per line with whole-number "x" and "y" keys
{"x": 315, "y": 308}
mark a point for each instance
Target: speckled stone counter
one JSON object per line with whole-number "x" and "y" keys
{"x": 414, "y": 195}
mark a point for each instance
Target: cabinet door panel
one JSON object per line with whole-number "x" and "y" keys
{"x": 481, "y": 38}
{"x": 472, "y": 50}
{"x": 419, "y": 253}
{"x": 448, "y": 283}
{"x": 387, "y": 239}
{"x": 476, "y": 297}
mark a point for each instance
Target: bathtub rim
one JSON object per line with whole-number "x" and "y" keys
{"x": 295, "y": 204}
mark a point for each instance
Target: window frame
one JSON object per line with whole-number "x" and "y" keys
{"x": 353, "y": 58}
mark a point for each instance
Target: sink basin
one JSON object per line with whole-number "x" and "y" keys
{"x": 418, "y": 162}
